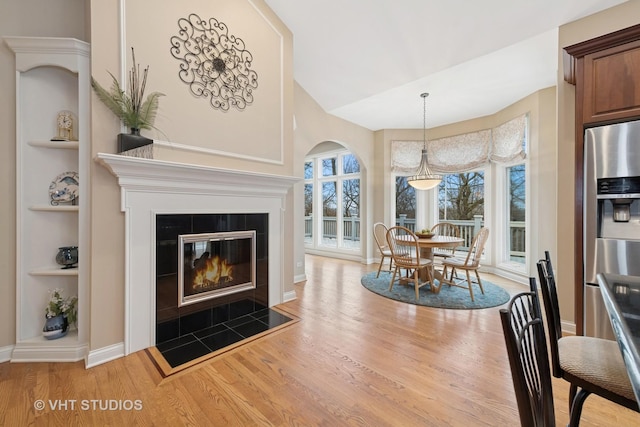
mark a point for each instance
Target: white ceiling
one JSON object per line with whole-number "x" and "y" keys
{"x": 368, "y": 61}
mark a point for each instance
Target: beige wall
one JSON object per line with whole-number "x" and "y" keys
{"x": 616, "y": 18}
{"x": 57, "y": 18}
{"x": 182, "y": 118}
{"x": 314, "y": 126}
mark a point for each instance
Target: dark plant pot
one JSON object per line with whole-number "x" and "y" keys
{"x": 55, "y": 327}
{"x": 129, "y": 141}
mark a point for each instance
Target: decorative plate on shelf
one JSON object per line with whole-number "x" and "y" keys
{"x": 64, "y": 188}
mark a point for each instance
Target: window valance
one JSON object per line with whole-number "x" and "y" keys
{"x": 461, "y": 153}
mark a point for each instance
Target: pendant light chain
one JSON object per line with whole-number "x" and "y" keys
{"x": 424, "y": 119}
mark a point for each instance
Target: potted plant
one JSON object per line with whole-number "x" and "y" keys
{"x": 131, "y": 107}
{"x": 60, "y": 313}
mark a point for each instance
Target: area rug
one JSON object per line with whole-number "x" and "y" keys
{"x": 449, "y": 296}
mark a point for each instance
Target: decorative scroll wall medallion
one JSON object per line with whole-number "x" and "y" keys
{"x": 214, "y": 64}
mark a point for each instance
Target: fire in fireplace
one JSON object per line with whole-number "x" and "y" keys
{"x": 215, "y": 264}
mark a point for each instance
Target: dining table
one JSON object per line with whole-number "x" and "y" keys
{"x": 621, "y": 295}
{"x": 427, "y": 244}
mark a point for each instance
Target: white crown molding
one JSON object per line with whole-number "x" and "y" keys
{"x": 47, "y": 51}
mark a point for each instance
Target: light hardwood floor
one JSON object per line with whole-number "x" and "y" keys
{"x": 354, "y": 358}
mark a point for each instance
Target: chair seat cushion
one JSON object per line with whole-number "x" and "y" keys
{"x": 411, "y": 262}
{"x": 454, "y": 262}
{"x": 597, "y": 361}
{"x": 442, "y": 254}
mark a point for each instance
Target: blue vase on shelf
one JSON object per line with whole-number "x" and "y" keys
{"x": 55, "y": 327}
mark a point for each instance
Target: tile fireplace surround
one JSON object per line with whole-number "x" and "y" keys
{"x": 155, "y": 187}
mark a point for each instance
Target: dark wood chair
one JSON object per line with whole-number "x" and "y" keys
{"x": 590, "y": 365}
{"x": 528, "y": 359}
{"x": 405, "y": 252}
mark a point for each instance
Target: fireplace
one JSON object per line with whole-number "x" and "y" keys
{"x": 212, "y": 265}
{"x": 211, "y": 268}
{"x": 162, "y": 200}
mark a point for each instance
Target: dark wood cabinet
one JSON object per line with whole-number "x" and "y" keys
{"x": 612, "y": 84}
{"x": 606, "y": 73}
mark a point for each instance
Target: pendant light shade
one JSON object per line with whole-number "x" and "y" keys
{"x": 424, "y": 179}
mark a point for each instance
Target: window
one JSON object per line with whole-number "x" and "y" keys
{"x": 405, "y": 203}
{"x": 338, "y": 179}
{"x": 513, "y": 229}
{"x": 461, "y": 199}
{"x": 491, "y": 192}
{"x": 461, "y": 196}
{"x": 516, "y": 215}
{"x": 329, "y": 210}
{"x": 308, "y": 203}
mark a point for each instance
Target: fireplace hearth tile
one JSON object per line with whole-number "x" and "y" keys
{"x": 210, "y": 331}
{"x": 240, "y": 321}
{"x": 179, "y": 352}
{"x": 271, "y": 318}
{"x": 222, "y": 339}
{"x": 251, "y": 328}
{"x": 177, "y": 342}
{"x": 186, "y": 353}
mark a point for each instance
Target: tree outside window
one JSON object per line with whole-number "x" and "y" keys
{"x": 461, "y": 196}
{"x": 405, "y": 203}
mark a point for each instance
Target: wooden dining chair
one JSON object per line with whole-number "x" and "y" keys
{"x": 445, "y": 229}
{"x": 589, "y": 364}
{"x": 526, "y": 344}
{"x": 405, "y": 252}
{"x": 380, "y": 236}
{"x": 470, "y": 263}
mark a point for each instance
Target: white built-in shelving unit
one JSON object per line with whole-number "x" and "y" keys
{"x": 52, "y": 75}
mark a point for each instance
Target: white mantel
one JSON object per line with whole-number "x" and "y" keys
{"x": 155, "y": 187}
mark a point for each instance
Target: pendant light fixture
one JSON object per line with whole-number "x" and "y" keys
{"x": 424, "y": 179}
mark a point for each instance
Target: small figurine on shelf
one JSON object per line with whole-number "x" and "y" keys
{"x": 60, "y": 313}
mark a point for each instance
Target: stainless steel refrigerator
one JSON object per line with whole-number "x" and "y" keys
{"x": 611, "y": 214}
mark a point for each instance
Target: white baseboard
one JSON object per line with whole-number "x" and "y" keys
{"x": 300, "y": 278}
{"x": 568, "y": 327}
{"x": 104, "y": 355}
{"x": 50, "y": 353}
{"x": 289, "y": 296}
{"x": 350, "y": 256}
{"x": 5, "y": 353}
